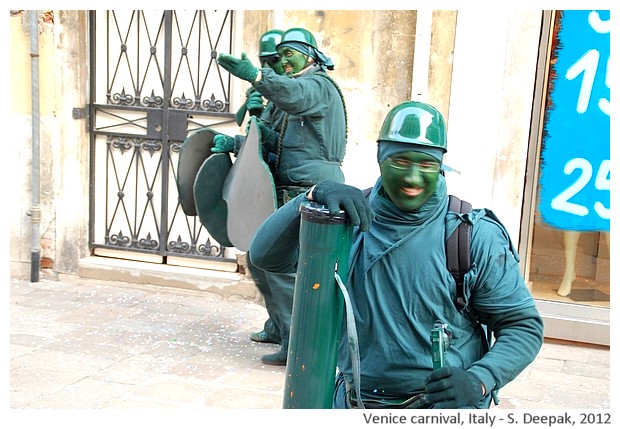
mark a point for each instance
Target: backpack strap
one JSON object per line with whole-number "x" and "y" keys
{"x": 458, "y": 255}
{"x": 458, "y": 249}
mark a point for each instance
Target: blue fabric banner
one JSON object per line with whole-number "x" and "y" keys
{"x": 575, "y": 164}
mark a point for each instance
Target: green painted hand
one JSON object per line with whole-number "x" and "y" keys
{"x": 242, "y": 68}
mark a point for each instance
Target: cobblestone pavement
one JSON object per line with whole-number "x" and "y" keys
{"x": 87, "y": 344}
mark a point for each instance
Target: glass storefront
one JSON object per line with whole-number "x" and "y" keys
{"x": 570, "y": 266}
{"x": 565, "y": 234}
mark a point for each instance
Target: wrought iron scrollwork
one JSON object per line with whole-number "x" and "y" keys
{"x": 158, "y": 68}
{"x": 209, "y": 249}
{"x": 214, "y": 105}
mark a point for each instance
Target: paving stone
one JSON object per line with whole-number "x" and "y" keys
{"x": 87, "y": 393}
{"x": 87, "y": 344}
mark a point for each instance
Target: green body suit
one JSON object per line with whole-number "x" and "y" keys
{"x": 399, "y": 286}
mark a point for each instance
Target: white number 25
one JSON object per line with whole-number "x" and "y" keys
{"x": 602, "y": 182}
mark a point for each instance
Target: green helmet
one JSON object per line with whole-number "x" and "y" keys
{"x": 268, "y": 42}
{"x": 414, "y": 122}
{"x": 299, "y": 35}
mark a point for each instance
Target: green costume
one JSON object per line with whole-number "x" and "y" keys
{"x": 268, "y": 57}
{"x": 313, "y": 145}
{"x": 304, "y": 138}
{"x": 399, "y": 286}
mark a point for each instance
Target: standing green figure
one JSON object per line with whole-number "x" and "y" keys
{"x": 399, "y": 284}
{"x": 270, "y": 117}
{"x": 304, "y": 148}
{"x": 268, "y": 57}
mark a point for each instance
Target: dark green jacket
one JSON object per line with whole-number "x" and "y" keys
{"x": 399, "y": 286}
{"x": 313, "y": 145}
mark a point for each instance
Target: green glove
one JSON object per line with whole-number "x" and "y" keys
{"x": 242, "y": 68}
{"x": 240, "y": 115}
{"x": 254, "y": 104}
{"x": 453, "y": 387}
{"x": 223, "y": 144}
{"x": 265, "y": 131}
{"x": 267, "y": 135}
{"x": 335, "y": 195}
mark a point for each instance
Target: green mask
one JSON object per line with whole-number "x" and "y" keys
{"x": 409, "y": 178}
{"x": 274, "y": 62}
{"x": 292, "y": 61}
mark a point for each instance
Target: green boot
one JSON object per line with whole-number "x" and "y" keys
{"x": 277, "y": 359}
{"x": 263, "y": 337}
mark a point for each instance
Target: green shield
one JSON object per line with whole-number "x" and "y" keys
{"x": 193, "y": 152}
{"x": 212, "y": 209}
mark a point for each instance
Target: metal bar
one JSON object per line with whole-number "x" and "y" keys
{"x": 165, "y": 131}
{"x": 91, "y": 120}
{"x": 543, "y": 64}
{"x": 35, "y": 210}
{"x": 156, "y": 119}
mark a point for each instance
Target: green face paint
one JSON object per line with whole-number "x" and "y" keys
{"x": 292, "y": 61}
{"x": 274, "y": 62}
{"x": 409, "y": 179}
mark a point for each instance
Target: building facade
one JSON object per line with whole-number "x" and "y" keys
{"x": 117, "y": 92}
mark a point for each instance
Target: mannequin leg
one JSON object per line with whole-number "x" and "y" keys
{"x": 571, "y": 239}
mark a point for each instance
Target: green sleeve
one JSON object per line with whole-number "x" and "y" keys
{"x": 275, "y": 246}
{"x": 518, "y": 339}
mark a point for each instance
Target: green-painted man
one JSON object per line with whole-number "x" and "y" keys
{"x": 308, "y": 146}
{"x": 399, "y": 284}
{"x": 267, "y": 57}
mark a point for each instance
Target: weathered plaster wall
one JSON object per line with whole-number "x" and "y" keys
{"x": 63, "y": 85}
{"x": 490, "y": 110}
{"x": 72, "y": 89}
{"x": 480, "y": 76}
{"x": 21, "y": 133}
